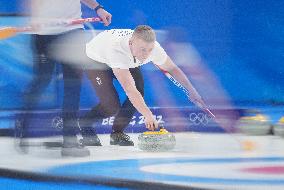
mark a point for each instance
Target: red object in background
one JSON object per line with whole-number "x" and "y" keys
{"x": 265, "y": 170}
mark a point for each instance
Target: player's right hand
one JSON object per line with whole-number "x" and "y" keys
{"x": 151, "y": 123}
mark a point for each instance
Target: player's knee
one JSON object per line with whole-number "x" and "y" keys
{"x": 108, "y": 112}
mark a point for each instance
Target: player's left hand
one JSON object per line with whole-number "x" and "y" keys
{"x": 197, "y": 100}
{"x": 105, "y": 16}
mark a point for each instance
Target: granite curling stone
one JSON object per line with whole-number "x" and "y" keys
{"x": 278, "y": 128}
{"x": 156, "y": 141}
{"x": 254, "y": 125}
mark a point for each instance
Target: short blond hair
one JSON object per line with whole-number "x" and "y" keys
{"x": 145, "y": 33}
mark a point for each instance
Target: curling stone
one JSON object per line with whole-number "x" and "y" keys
{"x": 278, "y": 128}
{"x": 254, "y": 125}
{"x": 156, "y": 141}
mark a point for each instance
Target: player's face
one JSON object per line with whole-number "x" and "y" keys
{"x": 141, "y": 49}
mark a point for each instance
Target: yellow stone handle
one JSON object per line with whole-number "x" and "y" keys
{"x": 162, "y": 131}
{"x": 281, "y": 121}
{"x": 258, "y": 117}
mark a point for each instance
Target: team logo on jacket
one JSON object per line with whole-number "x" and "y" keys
{"x": 99, "y": 81}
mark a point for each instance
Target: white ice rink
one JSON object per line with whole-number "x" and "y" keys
{"x": 215, "y": 161}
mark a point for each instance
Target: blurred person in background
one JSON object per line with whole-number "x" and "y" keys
{"x": 44, "y": 43}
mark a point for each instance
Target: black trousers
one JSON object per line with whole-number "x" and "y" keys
{"x": 44, "y": 64}
{"x": 109, "y": 105}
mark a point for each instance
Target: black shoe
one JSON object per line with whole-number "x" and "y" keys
{"x": 90, "y": 137}
{"x": 91, "y": 140}
{"x": 72, "y": 148}
{"x": 120, "y": 139}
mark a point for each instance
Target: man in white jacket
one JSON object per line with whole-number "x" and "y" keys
{"x": 118, "y": 54}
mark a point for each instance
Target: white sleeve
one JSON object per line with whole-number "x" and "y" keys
{"x": 159, "y": 56}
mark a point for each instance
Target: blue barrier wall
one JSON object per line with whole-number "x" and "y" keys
{"x": 241, "y": 43}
